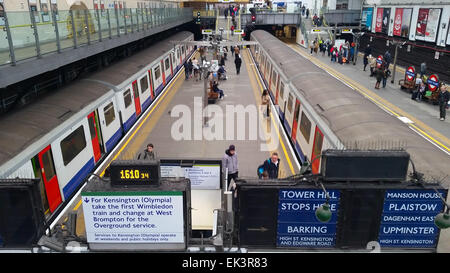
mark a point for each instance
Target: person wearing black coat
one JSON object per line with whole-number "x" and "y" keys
{"x": 443, "y": 99}
{"x": 238, "y": 62}
{"x": 272, "y": 165}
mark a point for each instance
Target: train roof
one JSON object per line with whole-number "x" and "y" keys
{"x": 23, "y": 127}
{"x": 355, "y": 120}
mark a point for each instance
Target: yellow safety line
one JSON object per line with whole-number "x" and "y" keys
{"x": 271, "y": 115}
{"x": 379, "y": 101}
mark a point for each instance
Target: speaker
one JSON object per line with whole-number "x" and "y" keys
{"x": 21, "y": 213}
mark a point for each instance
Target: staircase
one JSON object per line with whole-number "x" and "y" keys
{"x": 221, "y": 22}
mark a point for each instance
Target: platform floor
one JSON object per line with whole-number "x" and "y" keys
{"x": 156, "y": 127}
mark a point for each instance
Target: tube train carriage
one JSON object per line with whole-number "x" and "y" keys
{"x": 320, "y": 112}
{"x": 62, "y": 137}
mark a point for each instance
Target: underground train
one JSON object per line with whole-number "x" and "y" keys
{"x": 319, "y": 112}
{"x": 63, "y": 136}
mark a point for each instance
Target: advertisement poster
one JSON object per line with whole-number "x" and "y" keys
{"x": 422, "y": 24}
{"x": 367, "y": 18}
{"x": 386, "y": 17}
{"x": 406, "y": 22}
{"x": 45, "y": 11}
{"x": 398, "y": 21}
{"x": 2, "y": 13}
{"x": 379, "y": 20}
{"x": 432, "y": 25}
{"x": 203, "y": 177}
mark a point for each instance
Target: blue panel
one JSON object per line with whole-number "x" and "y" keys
{"x": 408, "y": 218}
{"x": 127, "y": 125}
{"x": 113, "y": 140}
{"x": 297, "y": 222}
{"x": 158, "y": 90}
{"x": 78, "y": 178}
{"x": 299, "y": 152}
{"x": 146, "y": 103}
{"x": 168, "y": 78}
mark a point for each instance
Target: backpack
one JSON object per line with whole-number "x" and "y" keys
{"x": 260, "y": 169}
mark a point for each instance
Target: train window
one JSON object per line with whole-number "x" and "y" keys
{"x": 110, "y": 116}
{"x": 290, "y": 101}
{"x": 72, "y": 145}
{"x": 144, "y": 84}
{"x": 173, "y": 58}
{"x": 282, "y": 90}
{"x": 305, "y": 127}
{"x": 167, "y": 64}
{"x": 183, "y": 50}
{"x": 47, "y": 161}
{"x": 274, "y": 78}
{"x": 127, "y": 98}
{"x": 157, "y": 73}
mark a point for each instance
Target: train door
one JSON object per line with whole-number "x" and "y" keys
{"x": 137, "y": 101}
{"x": 48, "y": 174}
{"x": 172, "y": 62}
{"x": 94, "y": 136}
{"x": 317, "y": 150}
{"x": 167, "y": 69}
{"x": 278, "y": 90}
{"x": 295, "y": 121}
{"x": 163, "y": 73}
{"x": 152, "y": 90}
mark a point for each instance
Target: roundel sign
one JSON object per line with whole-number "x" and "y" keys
{"x": 410, "y": 73}
{"x": 433, "y": 82}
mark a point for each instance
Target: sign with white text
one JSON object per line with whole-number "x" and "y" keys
{"x": 134, "y": 217}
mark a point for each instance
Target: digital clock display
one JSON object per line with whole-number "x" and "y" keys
{"x": 127, "y": 173}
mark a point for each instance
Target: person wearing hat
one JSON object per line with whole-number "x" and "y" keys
{"x": 230, "y": 162}
{"x": 443, "y": 99}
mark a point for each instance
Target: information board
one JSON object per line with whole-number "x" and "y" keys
{"x": 408, "y": 218}
{"x": 134, "y": 217}
{"x": 297, "y": 222}
{"x": 202, "y": 176}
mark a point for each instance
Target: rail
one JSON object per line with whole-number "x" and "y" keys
{"x": 32, "y": 34}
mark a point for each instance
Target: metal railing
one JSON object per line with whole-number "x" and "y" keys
{"x": 32, "y": 34}
{"x": 205, "y": 13}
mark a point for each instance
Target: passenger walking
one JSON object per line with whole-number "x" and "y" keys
{"x": 238, "y": 62}
{"x": 237, "y": 51}
{"x": 226, "y": 13}
{"x": 232, "y": 50}
{"x": 190, "y": 67}
{"x": 307, "y": 13}
{"x": 272, "y": 165}
{"x": 316, "y": 46}
{"x": 379, "y": 73}
{"x": 265, "y": 102}
{"x": 387, "y": 58}
{"x": 373, "y": 65}
{"x": 386, "y": 75}
{"x": 186, "y": 70}
{"x": 196, "y": 69}
{"x": 423, "y": 69}
{"x": 443, "y": 98}
{"x": 230, "y": 162}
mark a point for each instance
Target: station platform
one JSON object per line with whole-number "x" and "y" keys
{"x": 423, "y": 117}
{"x": 156, "y": 127}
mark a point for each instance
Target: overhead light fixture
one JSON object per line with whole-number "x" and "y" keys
{"x": 323, "y": 213}
{"x": 442, "y": 220}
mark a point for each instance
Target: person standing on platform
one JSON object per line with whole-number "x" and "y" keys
{"x": 386, "y": 75}
{"x": 387, "y": 58}
{"x": 230, "y": 162}
{"x": 367, "y": 52}
{"x": 272, "y": 166}
{"x": 379, "y": 73}
{"x": 373, "y": 65}
{"x": 238, "y": 62}
{"x": 190, "y": 68}
{"x": 265, "y": 102}
{"x": 149, "y": 153}
{"x": 226, "y": 13}
{"x": 237, "y": 51}
{"x": 423, "y": 69}
{"x": 443, "y": 99}
{"x": 307, "y": 13}
{"x": 186, "y": 70}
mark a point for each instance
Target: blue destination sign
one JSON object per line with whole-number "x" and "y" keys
{"x": 408, "y": 218}
{"x": 297, "y": 222}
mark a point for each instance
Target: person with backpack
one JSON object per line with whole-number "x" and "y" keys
{"x": 149, "y": 153}
{"x": 271, "y": 166}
